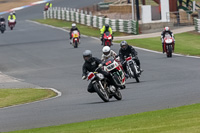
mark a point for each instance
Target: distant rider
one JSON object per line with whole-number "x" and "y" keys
{"x": 166, "y": 31}
{"x": 2, "y": 19}
{"x": 90, "y": 65}
{"x": 73, "y": 29}
{"x": 125, "y": 51}
{"x": 105, "y": 28}
{"x": 49, "y": 4}
{"x": 11, "y": 17}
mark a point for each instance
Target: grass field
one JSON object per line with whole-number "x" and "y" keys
{"x": 185, "y": 119}
{"x": 9, "y": 97}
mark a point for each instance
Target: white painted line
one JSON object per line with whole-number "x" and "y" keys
{"x": 39, "y": 2}
{"x": 48, "y": 26}
{"x": 95, "y": 38}
{"x": 56, "y": 91}
{"x": 152, "y": 51}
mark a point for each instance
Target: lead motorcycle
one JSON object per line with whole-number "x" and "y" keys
{"x": 115, "y": 69}
{"x": 102, "y": 86}
{"x": 2, "y": 27}
{"x": 168, "y": 45}
{"x": 75, "y": 38}
{"x": 11, "y": 23}
{"x": 132, "y": 68}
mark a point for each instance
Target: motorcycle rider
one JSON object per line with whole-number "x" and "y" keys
{"x": 90, "y": 65}
{"x": 49, "y": 4}
{"x": 2, "y": 19}
{"x": 105, "y": 28}
{"x": 12, "y": 17}
{"x": 73, "y": 29}
{"x": 125, "y": 51}
{"x": 166, "y": 31}
{"x": 107, "y": 53}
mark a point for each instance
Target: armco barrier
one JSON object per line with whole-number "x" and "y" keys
{"x": 73, "y": 15}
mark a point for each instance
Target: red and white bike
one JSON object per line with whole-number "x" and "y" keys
{"x": 168, "y": 45}
{"x": 115, "y": 69}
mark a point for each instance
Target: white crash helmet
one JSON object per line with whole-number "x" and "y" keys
{"x": 167, "y": 29}
{"x": 106, "y": 51}
{"x": 11, "y": 13}
{"x": 73, "y": 25}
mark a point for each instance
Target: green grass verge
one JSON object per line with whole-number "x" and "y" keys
{"x": 85, "y": 30}
{"x": 9, "y": 97}
{"x": 185, "y": 119}
{"x": 186, "y": 43}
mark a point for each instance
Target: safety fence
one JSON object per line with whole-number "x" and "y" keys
{"x": 197, "y": 24}
{"x": 86, "y": 18}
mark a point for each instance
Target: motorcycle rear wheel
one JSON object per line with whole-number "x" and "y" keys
{"x": 76, "y": 44}
{"x": 101, "y": 92}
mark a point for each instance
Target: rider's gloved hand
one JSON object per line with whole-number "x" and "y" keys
{"x": 84, "y": 77}
{"x": 100, "y": 65}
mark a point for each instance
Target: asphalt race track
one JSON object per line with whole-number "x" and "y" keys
{"x": 41, "y": 56}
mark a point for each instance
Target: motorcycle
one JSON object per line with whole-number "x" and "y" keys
{"x": 132, "y": 68}
{"x": 115, "y": 69}
{"x": 11, "y": 23}
{"x": 107, "y": 39}
{"x": 168, "y": 45}
{"x": 2, "y": 27}
{"x": 102, "y": 86}
{"x": 75, "y": 38}
{"x": 46, "y": 8}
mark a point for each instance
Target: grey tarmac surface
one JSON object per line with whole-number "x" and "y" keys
{"x": 41, "y": 56}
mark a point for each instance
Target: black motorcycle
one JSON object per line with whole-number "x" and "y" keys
{"x": 132, "y": 68}
{"x": 2, "y": 27}
{"x": 102, "y": 87}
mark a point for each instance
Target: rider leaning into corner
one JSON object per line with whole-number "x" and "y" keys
{"x": 125, "y": 51}
{"x": 105, "y": 28}
{"x": 166, "y": 31}
{"x": 90, "y": 65}
{"x": 73, "y": 29}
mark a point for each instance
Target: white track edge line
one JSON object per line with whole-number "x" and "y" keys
{"x": 56, "y": 91}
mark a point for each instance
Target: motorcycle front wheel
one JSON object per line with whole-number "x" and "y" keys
{"x": 101, "y": 92}
{"x": 135, "y": 74}
{"x": 117, "y": 95}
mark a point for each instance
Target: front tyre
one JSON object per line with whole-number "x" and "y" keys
{"x": 101, "y": 92}
{"x": 117, "y": 95}
{"x": 135, "y": 74}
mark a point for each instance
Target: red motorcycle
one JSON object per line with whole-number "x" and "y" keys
{"x": 168, "y": 45}
{"x": 46, "y": 8}
{"x": 107, "y": 39}
{"x": 11, "y": 23}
